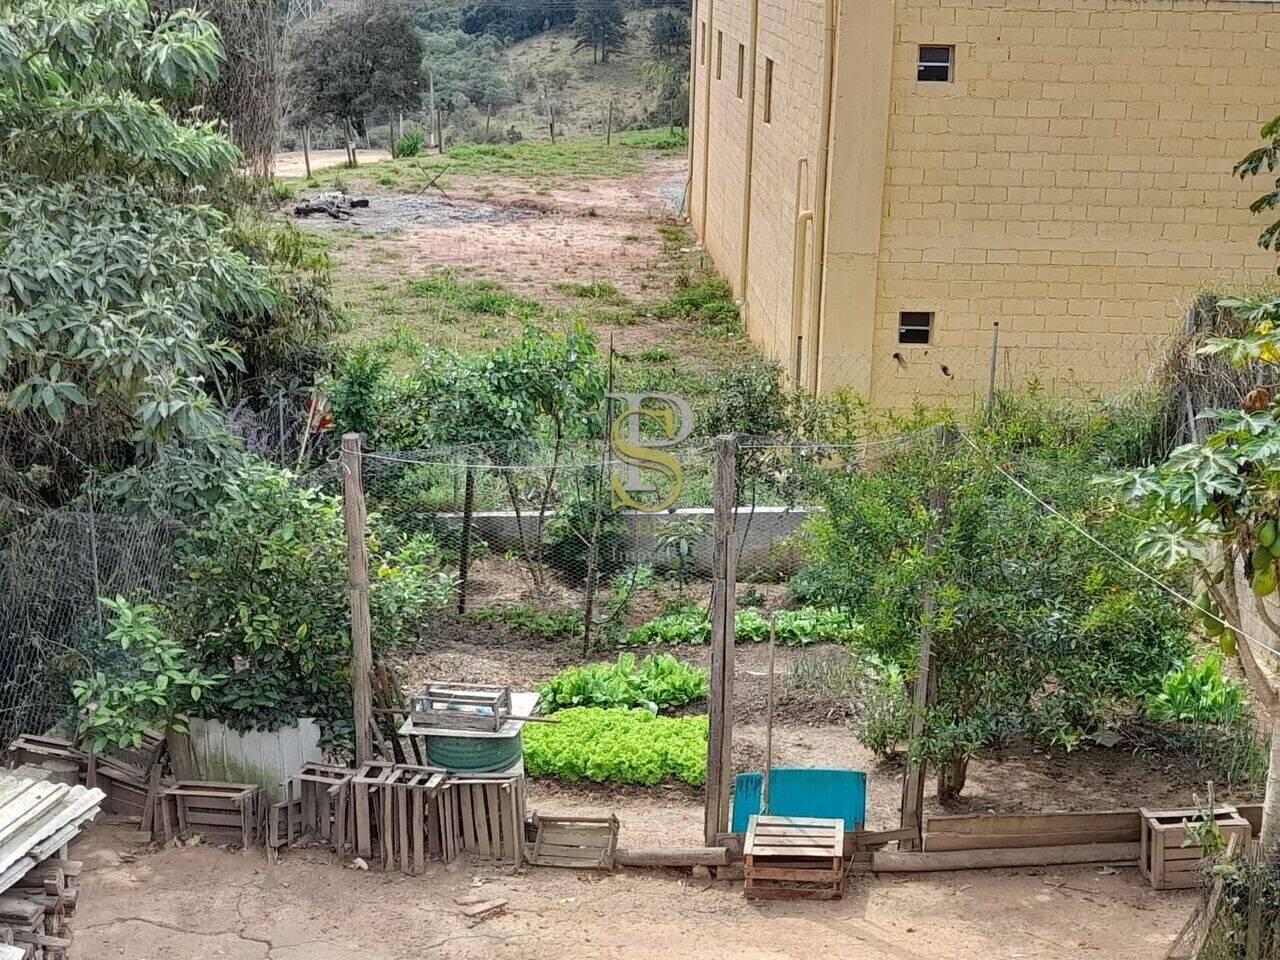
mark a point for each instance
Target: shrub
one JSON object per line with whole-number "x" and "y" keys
{"x": 621, "y": 746}
{"x": 654, "y": 683}
{"x": 1196, "y": 691}
{"x": 883, "y": 720}
{"x": 410, "y": 145}
{"x": 793, "y": 628}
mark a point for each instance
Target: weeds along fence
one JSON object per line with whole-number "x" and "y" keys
{"x": 1238, "y": 916}
{"x": 53, "y": 570}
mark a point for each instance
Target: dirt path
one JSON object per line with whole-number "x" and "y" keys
{"x": 201, "y": 903}
{"x": 293, "y": 164}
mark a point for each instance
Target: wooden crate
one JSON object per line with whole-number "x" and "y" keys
{"x": 223, "y": 812}
{"x": 794, "y": 858}
{"x": 587, "y": 843}
{"x": 483, "y": 814}
{"x": 1163, "y": 859}
{"x": 461, "y": 706}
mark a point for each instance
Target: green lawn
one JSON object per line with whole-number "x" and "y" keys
{"x": 540, "y": 163}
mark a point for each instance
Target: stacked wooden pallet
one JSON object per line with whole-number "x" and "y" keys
{"x": 403, "y": 815}
{"x": 37, "y": 909}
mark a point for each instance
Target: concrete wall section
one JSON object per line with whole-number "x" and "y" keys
{"x": 1073, "y": 182}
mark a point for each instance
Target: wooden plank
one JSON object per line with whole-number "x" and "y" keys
{"x": 995, "y": 841}
{"x": 672, "y": 856}
{"x": 784, "y": 851}
{"x": 580, "y": 836}
{"x": 468, "y": 819}
{"x": 893, "y": 861}
{"x": 1037, "y": 823}
{"x": 480, "y": 809}
{"x": 813, "y": 875}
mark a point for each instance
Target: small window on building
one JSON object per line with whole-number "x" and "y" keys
{"x": 742, "y": 66}
{"x": 719, "y": 52}
{"x": 768, "y": 89}
{"x": 934, "y": 65}
{"x": 702, "y": 43}
{"x": 915, "y": 326}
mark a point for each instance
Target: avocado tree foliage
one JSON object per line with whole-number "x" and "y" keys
{"x": 113, "y": 274}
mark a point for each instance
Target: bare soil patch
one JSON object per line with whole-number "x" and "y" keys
{"x": 293, "y": 164}
{"x": 202, "y": 903}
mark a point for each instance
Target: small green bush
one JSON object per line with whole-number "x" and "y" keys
{"x": 883, "y": 721}
{"x": 794, "y": 628}
{"x": 654, "y": 683}
{"x": 1197, "y": 692}
{"x": 621, "y": 746}
{"x": 410, "y": 145}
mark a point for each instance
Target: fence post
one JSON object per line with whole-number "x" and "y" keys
{"x": 608, "y": 130}
{"x": 353, "y": 513}
{"x": 464, "y": 544}
{"x": 723, "y": 603}
{"x": 926, "y": 686}
{"x": 306, "y": 148}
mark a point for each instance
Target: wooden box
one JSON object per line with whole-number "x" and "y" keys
{"x": 223, "y": 812}
{"x": 1163, "y": 859}
{"x": 794, "y": 858}
{"x": 585, "y": 843}
{"x": 461, "y": 706}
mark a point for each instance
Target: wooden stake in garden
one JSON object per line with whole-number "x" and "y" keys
{"x": 306, "y": 148}
{"x": 723, "y": 603}
{"x": 353, "y": 513}
{"x": 768, "y": 721}
{"x": 926, "y": 683}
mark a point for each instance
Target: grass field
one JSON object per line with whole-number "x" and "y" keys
{"x": 542, "y": 163}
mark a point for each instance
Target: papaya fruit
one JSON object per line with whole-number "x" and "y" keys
{"x": 1267, "y": 534}
{"x": 1227, "y": 642}
{"x": 1261, "y": 558}
{"x": 1264, "y": 581}
{"x": 1213, "y": 628}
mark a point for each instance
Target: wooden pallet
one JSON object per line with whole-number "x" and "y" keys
{"x": 794, "y": 858}
{"x": 585, "y": 843}
{"x": 223, "y": 812}
{"x": 1163, "y": 859}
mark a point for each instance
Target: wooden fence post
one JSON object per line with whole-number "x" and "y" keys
{"x": 723, "y": 603}
{"x": 926, "y": 686}
{"x": 306, "y": 148}
{"x": 353, "y": 512}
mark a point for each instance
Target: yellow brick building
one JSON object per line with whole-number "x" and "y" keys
{"x": 882, "y": 180}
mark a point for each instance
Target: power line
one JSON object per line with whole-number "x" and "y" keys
{"x": 1171, "y": 591}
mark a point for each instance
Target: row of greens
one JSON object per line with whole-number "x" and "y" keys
{"x": 791, "y": 628}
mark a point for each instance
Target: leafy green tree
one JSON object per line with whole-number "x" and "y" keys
{"x": 355, "y": 59}
{"x": 262, "y": 599}
{"x": 110, "y": 292}
{"x": 1036, "y": 633}
{"x": 669, "y": 33}
{"x": 600, "y": 25}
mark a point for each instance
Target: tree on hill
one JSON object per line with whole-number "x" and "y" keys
{"x": 600, "y": 25}
{"x": 669, "y": 33}
{"x": 357, "y": 59}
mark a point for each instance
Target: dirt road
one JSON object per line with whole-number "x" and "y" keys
{"x": 202, "y": 903}
{"x": 294, "y": 165}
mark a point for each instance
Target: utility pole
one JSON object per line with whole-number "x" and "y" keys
{"x": 353, "y": 513}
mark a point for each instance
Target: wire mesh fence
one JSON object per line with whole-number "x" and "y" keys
{"x": 53, "y": 572}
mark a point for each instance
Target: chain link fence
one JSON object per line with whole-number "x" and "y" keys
{"x": 53, "y": 570}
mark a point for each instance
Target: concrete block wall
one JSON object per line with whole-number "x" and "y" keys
{"x": 790, "y": 34}
{"x": 1073, "y": 182}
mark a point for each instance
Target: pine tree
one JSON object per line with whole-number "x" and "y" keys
{"x": 600, "y": 25}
